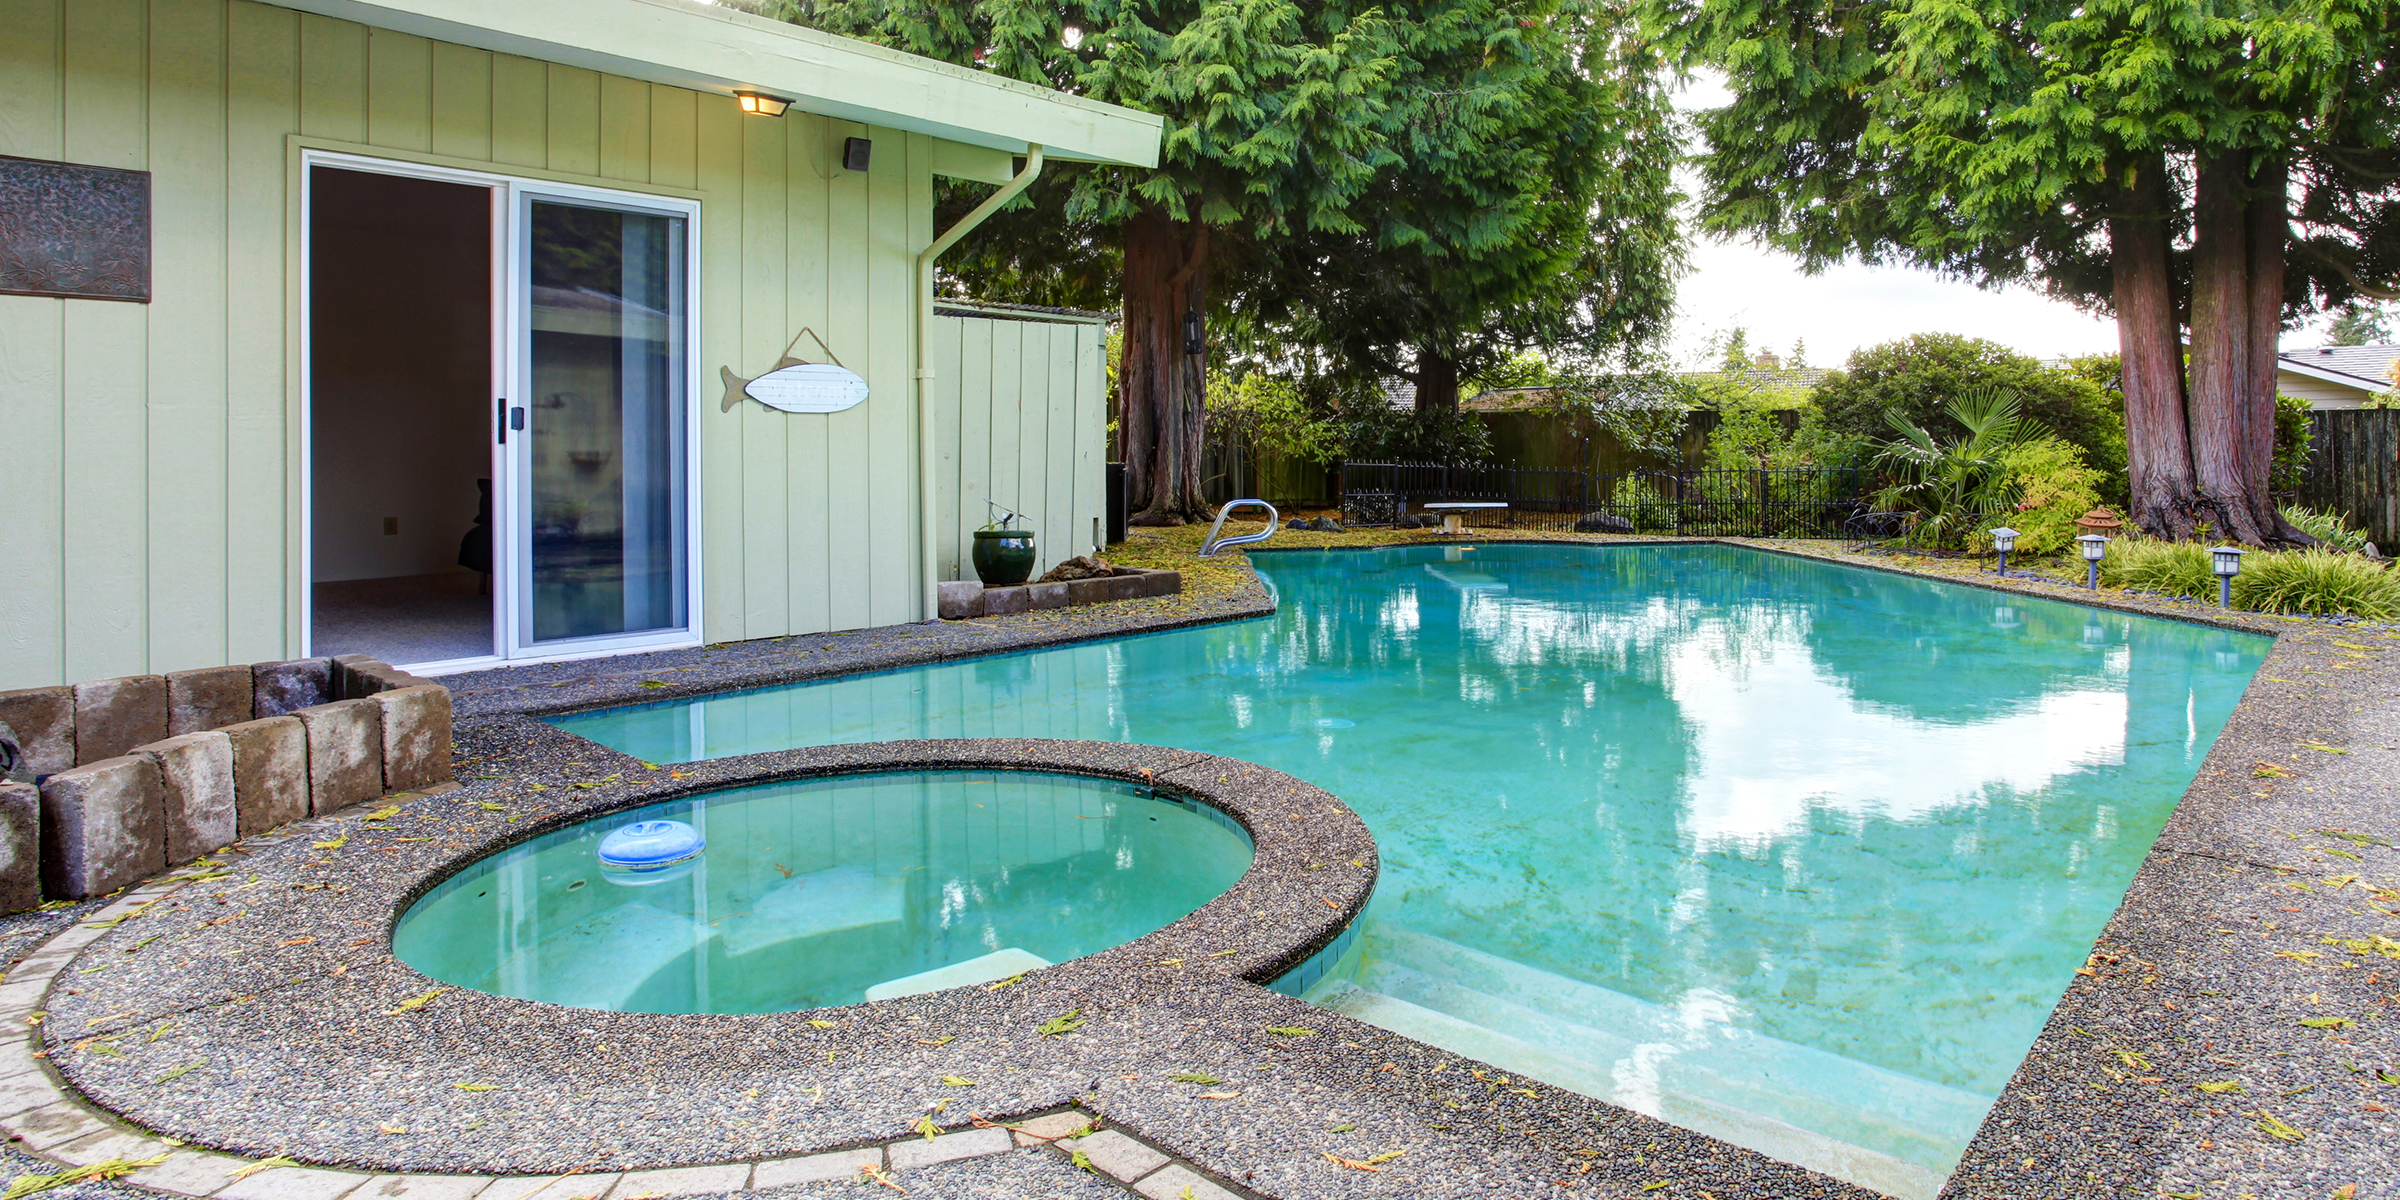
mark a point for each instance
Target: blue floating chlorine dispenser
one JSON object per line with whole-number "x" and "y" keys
{"x": 648, "y": 852}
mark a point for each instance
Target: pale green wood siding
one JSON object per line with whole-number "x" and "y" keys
{"x": 1028, "y": 401}
{"x": 152, "y": 501}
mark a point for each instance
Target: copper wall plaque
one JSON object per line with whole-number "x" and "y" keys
{"x": 72, "y": 230}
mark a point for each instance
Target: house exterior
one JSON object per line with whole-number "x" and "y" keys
{"x": 330, "y": 321}
{"x": 2336, "y": 377}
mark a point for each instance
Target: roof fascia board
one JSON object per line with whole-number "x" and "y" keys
{"x": 2328, "y": 374}
{"x": 719, "y": 50}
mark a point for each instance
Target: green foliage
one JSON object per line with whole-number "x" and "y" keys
{"x": 2317, "y": 581}
{"x": 1523, "y": 369}
{"x": 2359, "y": 324}
{"x": 1272, "y": 416}
{"x": 2330, "y": 528}
{"x": 2290, "y": 468}
{"x": 1918, "y": 377}
{"x": 1379, "y": 432}
{"x": 2154, "y": 565}
{"x": 1752, "y": 434}
{"x": 1952, "y": 483}
{"x": 2054, "y": 486}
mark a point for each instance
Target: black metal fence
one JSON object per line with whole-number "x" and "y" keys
{"x": 1796, "y": 503}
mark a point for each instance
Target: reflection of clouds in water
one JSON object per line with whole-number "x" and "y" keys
{"x": 1785, "y": 738}
{"x": 1690, "y": 1021}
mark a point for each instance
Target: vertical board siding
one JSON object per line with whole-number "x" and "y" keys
{"x": 1020, "y": 404}
{"x": 153, "y": 521}
{"x": 2354, "y": 469}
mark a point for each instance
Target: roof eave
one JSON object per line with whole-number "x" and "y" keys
{"x": 719, "y": 50}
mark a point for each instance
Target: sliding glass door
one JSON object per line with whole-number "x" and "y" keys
{"x": 599, "y": 430}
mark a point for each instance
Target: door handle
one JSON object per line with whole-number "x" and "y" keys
{"x": 516, "y": 419}
{"x": 510, "y": 418}
{"x": 500, "y": 420}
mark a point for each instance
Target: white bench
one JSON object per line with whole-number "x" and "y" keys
{"x": 1452, "y": 511}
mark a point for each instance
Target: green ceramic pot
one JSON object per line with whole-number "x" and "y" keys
{"x": 1003, "y": 556}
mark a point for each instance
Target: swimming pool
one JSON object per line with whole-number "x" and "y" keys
{"x": 1797, "y": 854}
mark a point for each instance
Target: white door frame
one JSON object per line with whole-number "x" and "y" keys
{"x": 511, "y": 338}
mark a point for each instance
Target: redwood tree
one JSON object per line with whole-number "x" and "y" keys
{"x": 2079, "y": 145}
{"x": 1279, "y": 114}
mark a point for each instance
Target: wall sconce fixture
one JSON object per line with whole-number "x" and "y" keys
{"x": 856, "y": 152}
{"x": 761, "y": 104}
{"x": 1192, "y": 343}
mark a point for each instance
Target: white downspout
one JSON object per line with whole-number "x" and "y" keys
{"x": 930, "y": 603}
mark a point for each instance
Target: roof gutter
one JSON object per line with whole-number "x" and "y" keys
{"x": 927, "y": 524}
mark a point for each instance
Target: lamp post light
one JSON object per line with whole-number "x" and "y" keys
{"x": 2095, "y": 548}
{"x": 2226, "y": 561}
{"x": 2004, "y": 540}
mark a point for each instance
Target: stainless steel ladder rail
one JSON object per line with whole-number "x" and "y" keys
{"x": 1211, "y": 544}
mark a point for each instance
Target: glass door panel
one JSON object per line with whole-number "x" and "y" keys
{"x": 602, "y": 455}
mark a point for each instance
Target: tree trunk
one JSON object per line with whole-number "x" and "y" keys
{"x": 2157, "y": 440}
{"x": 1161, "y": 382}
{"x": 2269, "y": 233}
{"x": 2220, "y": 400}
{"x": 1437, "y": 384}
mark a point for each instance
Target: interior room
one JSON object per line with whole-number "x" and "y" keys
{"x": 400, "y": 416}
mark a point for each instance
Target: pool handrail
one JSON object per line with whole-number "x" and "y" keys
{"x": 1211, "y": 544}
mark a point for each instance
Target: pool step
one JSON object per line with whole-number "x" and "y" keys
{"x": 1683, "y": 1064}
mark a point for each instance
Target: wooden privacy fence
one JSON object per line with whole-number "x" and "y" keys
{"x": 1020, "y": 416}
{"x": 2354, "y": 469}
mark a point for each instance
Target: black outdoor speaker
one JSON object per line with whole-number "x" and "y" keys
{"x": 1116, "y": 503}
{"x": 855, "y": 152}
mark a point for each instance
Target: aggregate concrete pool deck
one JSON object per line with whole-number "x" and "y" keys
{"x": 260, "y": 1012}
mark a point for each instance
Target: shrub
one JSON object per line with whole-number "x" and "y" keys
{"x": 2152, "y": 565}
{"x": 1921, "y": 374}
{"x": 2317, "y": 581}
{"x": 2328, "y": 527}
{"x": 2289, "y": 469}
{"x": 2054, "y": 486}
{"x": 1953, "y": 484}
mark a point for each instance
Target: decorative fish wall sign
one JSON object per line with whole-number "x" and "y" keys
{"x": 797, "y": 385}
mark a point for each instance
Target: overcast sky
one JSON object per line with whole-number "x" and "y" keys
{"x": 1850, "y": 306}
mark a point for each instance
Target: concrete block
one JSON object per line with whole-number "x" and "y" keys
{"x": 345, "y": 753}
{"x": 949, "y": 1147}
{"x": 53, "y": 1125}
{"x": 416, "y": 736}
{"x": 552, "y": 1187}
{"x": 270, "y": 773}
{"x": 960, "y": 599}
{"x": 43, "y": 722}
{"x": 209, "y": 698}
{"x": 1001, "y": 601}
{"x": 283, "y": 687}
{"x": 20, "y": 847}
{"x": 427, "y": 1187}
{"x": 1179, "y": 1182}
{"x": 1120, "y": 1156}
{"x": 375, "y": 678}
{"x": 1161, "y": 583}
{"x": 103, "y": 826}
{"x": 682, "y": 1181}
{"x": 294, "y": 1183}
{"x": 188, "y": 1173}
{"x": 1046, "y": 595}
{"x": 1087, "y": 591}
{"x": 1124, "y": 587}
{"x": 843, "y": 1165}
{"x": 113, "y": 716}
{"x": 196, "y": 772}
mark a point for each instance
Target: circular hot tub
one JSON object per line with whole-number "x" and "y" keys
{"x": 823, "y": 892}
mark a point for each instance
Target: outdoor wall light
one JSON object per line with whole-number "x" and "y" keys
{"x": 2004, "y": 540}
{"x": 2226, "y": 561}
{"x": 761, "y": 104}
{"x": 2095, "y": 548}
{"x": 857, "y": 153}
{"x": 1191, "y": 334}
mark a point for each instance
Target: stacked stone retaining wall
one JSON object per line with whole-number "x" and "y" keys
{"x": 119, "y": 779}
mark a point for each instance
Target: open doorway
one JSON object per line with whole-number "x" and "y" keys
{"x": 401, "y": 415}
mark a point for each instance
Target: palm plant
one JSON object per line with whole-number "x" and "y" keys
{"x": 1952, "y": 485}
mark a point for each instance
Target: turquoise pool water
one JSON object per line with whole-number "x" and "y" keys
{"x": 828, "y": 891}
{"x": 1794, "y": 853}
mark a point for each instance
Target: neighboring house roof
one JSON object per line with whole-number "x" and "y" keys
{"x": 2367, "y": 366}
{"x": 1769, "y": 378}
{"x": 714, "y": 49}
{"x": 1399, "y": 393}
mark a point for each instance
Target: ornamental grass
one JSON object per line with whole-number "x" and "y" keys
{"x": 2315, "y": 581}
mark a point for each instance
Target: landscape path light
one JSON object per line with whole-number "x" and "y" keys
{"x": 2226, "y": 561}
{"x": 2095, "y": 548}
{"x": 2004, "y": 540}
